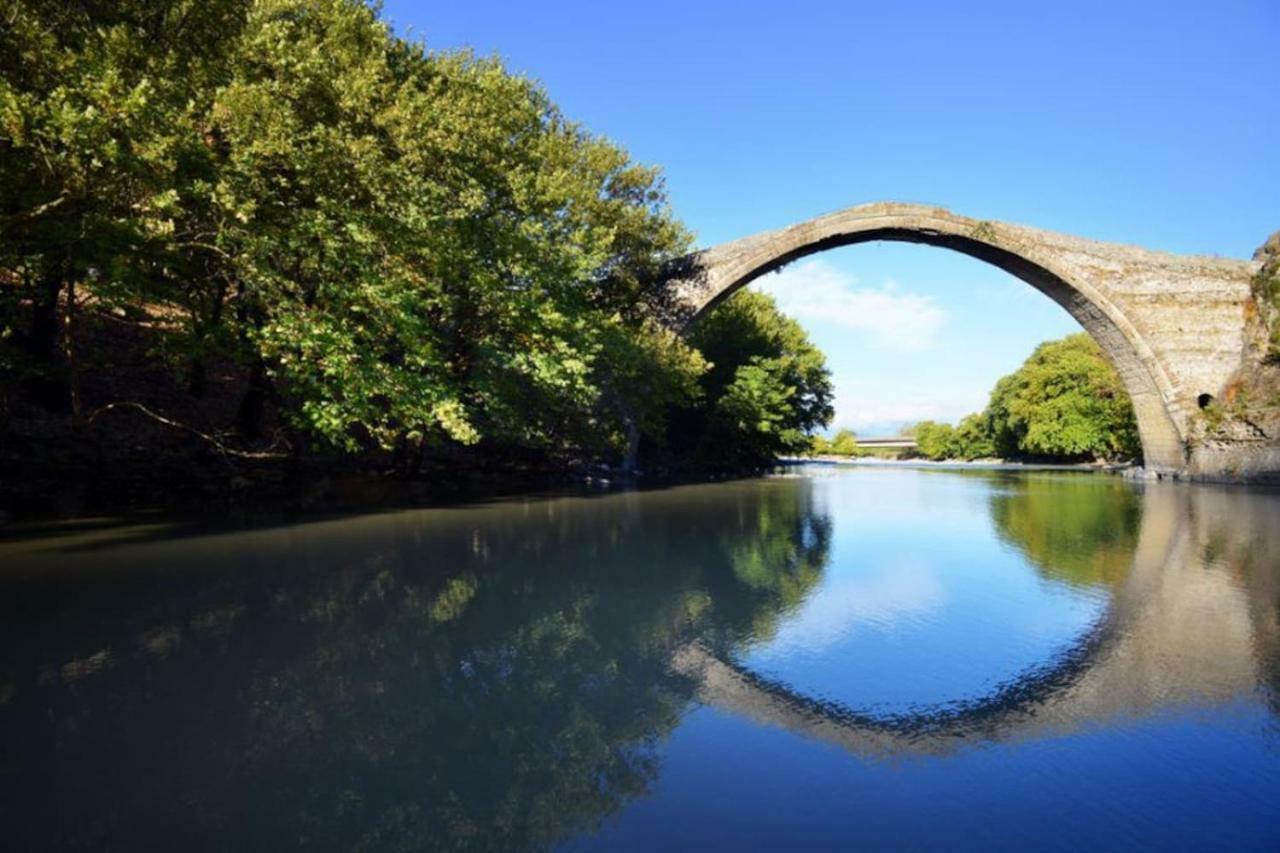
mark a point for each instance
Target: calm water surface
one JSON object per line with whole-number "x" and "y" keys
{"x": 835, "y": 659}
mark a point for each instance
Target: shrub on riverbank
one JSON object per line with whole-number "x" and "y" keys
{"x": 843, "y": 443}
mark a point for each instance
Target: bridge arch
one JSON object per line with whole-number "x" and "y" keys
{"x": 1103, "y": 286}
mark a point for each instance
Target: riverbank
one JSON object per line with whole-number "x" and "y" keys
{"x": 144, "y": 472}
{"x": 976, "y": 464}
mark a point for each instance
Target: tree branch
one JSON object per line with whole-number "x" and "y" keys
{"x": 39, "y": 210}
{"x": 218, "y": 445}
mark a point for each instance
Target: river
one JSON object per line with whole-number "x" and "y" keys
{"x": 834, "y": 658}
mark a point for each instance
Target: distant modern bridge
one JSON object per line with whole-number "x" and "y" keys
{"x": 1173, "y": 325}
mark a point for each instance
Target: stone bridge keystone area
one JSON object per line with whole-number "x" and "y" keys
{"x": 1173, "y": 325}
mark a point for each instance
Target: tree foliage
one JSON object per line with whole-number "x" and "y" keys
{"x": 973, "y": 438}
{"x": 400, "y": 248}
{"x": 935, "y": 440}
{"x": 1066, "y": 401}
{"x": 844, "y": 443}
{"x": 102, "y": 110}
{"x": 767, "y": 387}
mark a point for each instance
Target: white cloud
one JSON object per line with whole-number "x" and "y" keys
{"x": 816, "y": 290}
{"x": 902, "y": 591}
{"x": 876, "y": 411}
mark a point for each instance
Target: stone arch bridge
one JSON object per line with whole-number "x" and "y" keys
{"x": 1174, "y": 326}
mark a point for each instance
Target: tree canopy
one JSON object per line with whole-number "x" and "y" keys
{"x": 398, "y": 249}
{"x": 766, "y": 389}
{"x": 1066, "y": 401}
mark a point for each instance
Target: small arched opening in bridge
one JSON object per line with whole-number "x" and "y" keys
{"x": 1073, "y": 273}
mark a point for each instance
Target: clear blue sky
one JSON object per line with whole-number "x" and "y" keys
{"x": 1149, "y": 123}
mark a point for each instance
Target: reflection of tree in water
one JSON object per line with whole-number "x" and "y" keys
{"x": 1079, "y": 529}
{"x": 1084, "y": 530}
{"x": 781, "y": 561}
{"x": 367, "y": 698}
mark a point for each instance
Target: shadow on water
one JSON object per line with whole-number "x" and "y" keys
{"x": 503, "y": 675}
{"x": 349, "y": 498}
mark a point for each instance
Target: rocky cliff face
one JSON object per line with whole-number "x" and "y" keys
{"x": 1266, "y": 295}
{"x": 1240, "y": 433}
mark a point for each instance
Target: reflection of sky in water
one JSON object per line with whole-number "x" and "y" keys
{"x": 921, "y": 603}
{"x": 728, "y": 784}
{"x": 900, "y": 593}
{"x": 1166, "y": 740}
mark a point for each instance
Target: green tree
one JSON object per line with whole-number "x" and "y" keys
{"x": 819, "y": 445}
{"x": 101, "y": 135}
{"x": 972, "y": 439}
{"x": 428, "y": 246}
{"x": 1066, "y": 401}
{"x": 399, "y": 250}
{"x": 767, "y": 388}
{"x": 644, "y": 370}
{"x": 935, "y": 440}
{"x": 845, "y": 443}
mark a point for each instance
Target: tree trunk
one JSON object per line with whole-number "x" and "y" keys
{"x": 197, "y": 378}
{"x": 69, "y": 330}
{"x": 633, "y": 447}
{"x": 253, "y": 403}
{"x": 48, "y": 386}
{"x": 201, "y": 331}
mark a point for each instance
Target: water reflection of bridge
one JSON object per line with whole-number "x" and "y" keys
{"x": 1175, "y": 634}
